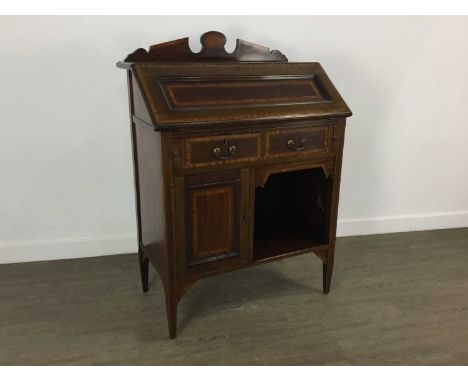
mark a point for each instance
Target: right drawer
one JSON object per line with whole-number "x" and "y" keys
{"x": 293, "y": 142}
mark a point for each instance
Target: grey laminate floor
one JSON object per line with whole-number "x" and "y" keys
{"x": 395, "y": 299}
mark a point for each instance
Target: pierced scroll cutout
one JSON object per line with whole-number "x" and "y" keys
{"x": 263, "y": 174}
{"x": 212, "y": 50}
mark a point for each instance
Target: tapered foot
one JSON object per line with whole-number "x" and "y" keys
{"x": 171, "y": 308}
{"x": 144, "y": 270}
{"x": 327, "y": 275}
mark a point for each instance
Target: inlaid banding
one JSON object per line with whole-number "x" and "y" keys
{"x": 222, "y": 93}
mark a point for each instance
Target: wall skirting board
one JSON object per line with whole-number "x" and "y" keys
{"x": 402, "y": 223}
{"x": 39, "y": 250}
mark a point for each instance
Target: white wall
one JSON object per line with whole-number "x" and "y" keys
{"x": 65, "y": 160}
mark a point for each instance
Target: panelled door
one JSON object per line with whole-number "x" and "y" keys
{"x": 211, "y": 221}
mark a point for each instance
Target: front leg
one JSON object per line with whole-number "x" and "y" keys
{"x": 171, "y": 310}
{"x": 328, "y": 271}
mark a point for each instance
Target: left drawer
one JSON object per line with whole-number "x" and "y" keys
{"x": 217, "y": 150}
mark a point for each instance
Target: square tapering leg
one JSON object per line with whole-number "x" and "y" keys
{"x": 144, "y": 270}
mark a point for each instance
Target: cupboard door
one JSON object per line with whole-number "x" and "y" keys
{"x": 212, "y": 224}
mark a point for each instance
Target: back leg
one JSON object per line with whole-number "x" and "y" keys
{"x": 144, "y": 270}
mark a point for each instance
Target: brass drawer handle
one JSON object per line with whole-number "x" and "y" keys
{"x": 293, "y": 147}
{"x": 232, "y": 150}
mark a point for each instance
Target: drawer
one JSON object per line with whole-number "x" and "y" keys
{"x": 221, "y": 149}
{"x": 293, "y": 142}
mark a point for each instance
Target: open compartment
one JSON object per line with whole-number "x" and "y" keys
{"x": 291, "y": 213}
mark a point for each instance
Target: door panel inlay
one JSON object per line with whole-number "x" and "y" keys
{"x": 213, "y": 222}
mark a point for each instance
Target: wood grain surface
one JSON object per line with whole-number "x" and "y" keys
{"x": 398, "y": 299}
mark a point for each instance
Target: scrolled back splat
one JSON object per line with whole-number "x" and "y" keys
{"x": 213, "y": 44}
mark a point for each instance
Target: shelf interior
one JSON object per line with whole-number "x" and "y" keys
{"x": 290, "y": 213}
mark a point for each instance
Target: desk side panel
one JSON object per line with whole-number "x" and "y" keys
{"x": 140, "y": 104}
{"x": 151, "y": 196}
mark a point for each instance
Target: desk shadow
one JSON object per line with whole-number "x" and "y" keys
{"x": 234, "y": 290}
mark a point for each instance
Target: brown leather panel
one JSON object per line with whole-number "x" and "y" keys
{"x": 225, "y": 93}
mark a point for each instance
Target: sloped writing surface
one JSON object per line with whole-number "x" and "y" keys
{"x": 240, "y": 92}
{"x": 184, "y": 94}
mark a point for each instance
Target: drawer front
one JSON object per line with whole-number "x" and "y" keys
{"x": 221, "y": 149}
{"x": 293, "y": 142}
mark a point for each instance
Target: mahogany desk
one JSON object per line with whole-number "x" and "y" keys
{"x": 237, "y": 160}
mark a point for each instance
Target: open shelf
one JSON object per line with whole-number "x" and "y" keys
{"x": 290, "y": 213}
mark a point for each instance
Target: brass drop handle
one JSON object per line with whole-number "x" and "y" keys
{"x": 232, "y": 150}
{"x": 292, "y": 144}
